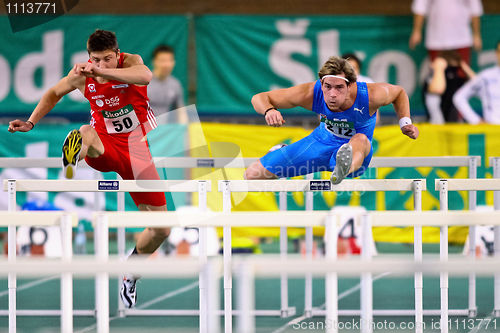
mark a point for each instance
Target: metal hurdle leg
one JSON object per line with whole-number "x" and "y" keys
{"x": 309, "y": 254}
{"x": 66, "y": 278}
{"x": 102, "y": 279}
{"x": 418, "y": 255}
{"x": 122, "y": 248}
{"x": 331, "y": 283}
{"x": 246, "y": 298}
{"x": 212, "y": 281}
{"x": 283, "y": 255}
{"x": 472, "y": 240}
{"x": 366, "y": 278}
{"x": 11, "y": 237}
{"x": 203, "y": 279}
{"x": 227, "y": 249}
{"x": 443, "y": 250}
{"x": 496, "y": 200}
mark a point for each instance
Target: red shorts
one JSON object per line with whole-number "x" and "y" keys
{"x": 464, "y": 54}
{"x": 129, "y": 156}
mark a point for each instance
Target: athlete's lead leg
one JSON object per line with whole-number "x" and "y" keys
{"x": 77, "y": 145}
{"x": 350, "y": 156}
{"x": 149, "y": 240}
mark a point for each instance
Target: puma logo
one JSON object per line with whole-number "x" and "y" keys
{"x": 360, "y": 110}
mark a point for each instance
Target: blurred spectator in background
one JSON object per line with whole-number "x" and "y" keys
{"x": 442, "y": 84}
{"x": 448, "y": 26}
{"x": 165, "y": 91}
{"x": 486, "y": 85}
{"x": 357, "y": 65}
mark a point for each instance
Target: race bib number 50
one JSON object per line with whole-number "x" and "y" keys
{"x": 341, "y": 129}
{"x": 123, "y": 120}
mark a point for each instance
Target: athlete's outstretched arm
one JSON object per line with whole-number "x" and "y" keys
{"x": 67, "y": 84}
{"x": 381, "y": 94}
{"x": 133, "y": 71}
{"x": 301, "y": 95}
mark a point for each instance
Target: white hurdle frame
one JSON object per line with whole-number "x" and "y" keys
{"x": 33, "y": 185}
{"x": 400, "y": 266}
{"x": 65, "y": 221}
{"x": 226, "y": 187}
{"x": 495, "y": 163}
{"x": 472, "y": 162}
{"x": 446, "y": 185}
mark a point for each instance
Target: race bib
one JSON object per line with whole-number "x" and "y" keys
{"x": 123, "y": 120}
{"x": 341, "y": 129}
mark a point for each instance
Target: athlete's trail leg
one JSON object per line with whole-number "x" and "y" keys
{"x": 257, "y": 171}
{"x": 361, "y": 147}
{"x": 150, "y": 239}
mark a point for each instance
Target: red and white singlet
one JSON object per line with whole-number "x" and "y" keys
{"x": 119, "y": 108}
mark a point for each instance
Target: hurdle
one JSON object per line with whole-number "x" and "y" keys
{"x": 471, "y": 162}
{"x": 270, "y": 267}
{"x": 446, "y": 185}
{"x": 65, "y": 221}
{"x": 29, "y": 185}
{"x": 227, "y": 187}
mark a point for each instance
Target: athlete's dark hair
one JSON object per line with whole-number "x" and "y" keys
{"x": 337, "y": 66}
{"x": 352, "y": 56}
{"x": 162, "y": 49}
{"x": 102, "y": 40}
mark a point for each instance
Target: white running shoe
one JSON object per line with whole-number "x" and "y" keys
{"x": 344, "y": 160}
{"x": 71, "y": 153}
{"x": 128, "y": 293}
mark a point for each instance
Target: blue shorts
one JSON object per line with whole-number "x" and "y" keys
{"x": 306, "y": 156}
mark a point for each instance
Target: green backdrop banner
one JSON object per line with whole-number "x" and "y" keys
{"x": 33, "y": 60}
{"x": 238, "y": 56}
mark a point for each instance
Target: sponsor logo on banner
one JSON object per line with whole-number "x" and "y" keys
{"x": 103, "y": 185}
{"x": 91, "y": 87}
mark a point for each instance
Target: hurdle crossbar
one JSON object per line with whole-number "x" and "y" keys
{"x": 486, "y": 184}
{"x": 36, "y": 185}
{"x": 428, "y": 161}
{"x": 243, "y": 162}
{"x": 35, "y": 218}
{"x": 212, "y": 219}
{"x": 367, "y": 185}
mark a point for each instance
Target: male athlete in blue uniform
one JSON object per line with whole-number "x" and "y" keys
{"x": 342, "y": 142}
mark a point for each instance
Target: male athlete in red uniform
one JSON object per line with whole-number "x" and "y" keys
{"x": 116, "y": 86}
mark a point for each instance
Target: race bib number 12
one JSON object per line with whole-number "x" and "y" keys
{"x": 341, "y": 129}
{"x": 123, "y": 120}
